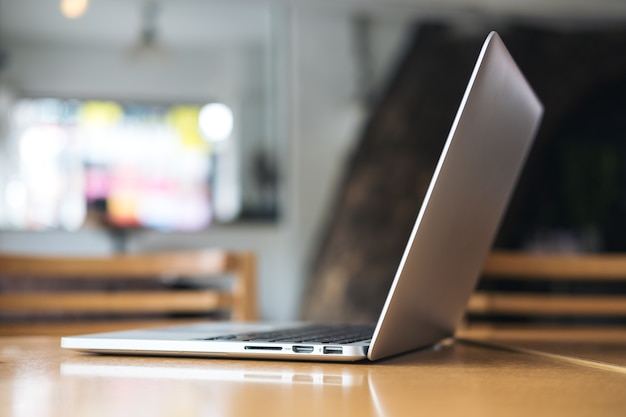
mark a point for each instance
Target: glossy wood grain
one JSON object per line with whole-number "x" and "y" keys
{"x": 37, "y": 378}
{"x": 544, "y": 333}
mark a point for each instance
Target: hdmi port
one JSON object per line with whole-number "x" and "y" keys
{"x": 302, "y": 349}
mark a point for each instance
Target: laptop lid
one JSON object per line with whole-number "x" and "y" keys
{"x": 463, "y": 207}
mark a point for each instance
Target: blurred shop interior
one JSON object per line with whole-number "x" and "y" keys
{"x": 146, "y": 125}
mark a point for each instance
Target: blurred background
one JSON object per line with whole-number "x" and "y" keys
{"x": 304, "y": 132}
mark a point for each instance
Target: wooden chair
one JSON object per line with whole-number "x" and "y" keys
{"x": 66, "y": 295}
{"x": 549, "y": 296}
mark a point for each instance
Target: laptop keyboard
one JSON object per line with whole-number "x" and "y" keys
{"x": 335, "y": 334}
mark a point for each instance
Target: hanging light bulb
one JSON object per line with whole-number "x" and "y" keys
{"x": 73, "y": 9}
{"x": 148, "y": 47}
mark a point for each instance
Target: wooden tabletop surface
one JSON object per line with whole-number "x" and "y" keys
{"x": 37, "y": 378}
{"x": 595, "y": 344}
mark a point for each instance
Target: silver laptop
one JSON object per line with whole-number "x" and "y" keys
{"x": 460, "y": 215}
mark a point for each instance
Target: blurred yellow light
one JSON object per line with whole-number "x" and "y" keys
{"x": 100, "y": 113}
{"x": 185, "y": 120}
{"x": 73, "y": 9}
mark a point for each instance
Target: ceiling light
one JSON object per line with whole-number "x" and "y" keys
{"x": 148, "y": 46}
{"x": 73, "y": 9}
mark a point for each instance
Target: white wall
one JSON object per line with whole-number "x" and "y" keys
{"x": 85, "y": 71}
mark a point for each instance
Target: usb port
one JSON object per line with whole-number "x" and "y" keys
{"x": 332, "y": 350}
{"x": 302, "y": 349}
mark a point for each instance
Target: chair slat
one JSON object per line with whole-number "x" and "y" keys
{"x": 504, "y": 264}
{"x": 540, "y": 304}
{"x": 112, "y": 302}
{"x": 119, "y": 266}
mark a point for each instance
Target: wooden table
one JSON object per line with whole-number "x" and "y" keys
{"x": 37, "y": 378}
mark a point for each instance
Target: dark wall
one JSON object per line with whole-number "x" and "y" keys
{"x": 574, "y": 186}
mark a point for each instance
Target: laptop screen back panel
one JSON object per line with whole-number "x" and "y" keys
{"x": 468, "y": 195}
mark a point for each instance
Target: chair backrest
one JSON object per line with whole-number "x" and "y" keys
{"x": 36, "y": 289}
{"x": 550, "y": 295}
